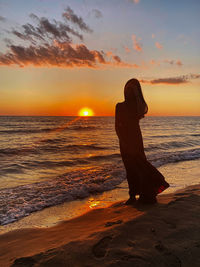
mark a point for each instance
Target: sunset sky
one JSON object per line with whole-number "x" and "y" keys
{"x": 58, "y": 56}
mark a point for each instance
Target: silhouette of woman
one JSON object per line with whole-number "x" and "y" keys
{"x": 143, "y": 178}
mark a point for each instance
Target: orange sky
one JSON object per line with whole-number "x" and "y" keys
{"x": 84, "y": 54}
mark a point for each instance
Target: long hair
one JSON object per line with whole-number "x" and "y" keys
{"x": 133, "y": 95}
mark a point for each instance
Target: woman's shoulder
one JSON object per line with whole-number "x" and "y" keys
{"x": 120, "y": 105}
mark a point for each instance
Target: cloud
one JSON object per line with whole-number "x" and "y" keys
{"x": 118, "y": 62}
{"x": 154, "y": 62}
{"x": 172, "y": 80}
{"x": 135, "y": 1}
{"x": 127, "y": 50}
{"x": 59, "y": 54}
{"x": 179, "y": 63}
{"x": 168, "y": 61}
{"x": 50, "y": 43}
{"x": 158, "y": 45}
{"x": 194, "y": 76}
{"x": 45, "y": 31}
{"x": 69, "y": 15}
{"x": 96, "y": 13}
{"x": 64, "y": 55}
{"x": 173, "y": 62}
{"x": 136, "y": 45}
{"x": 153, "y": 35}
{"x": 2, "y": 18}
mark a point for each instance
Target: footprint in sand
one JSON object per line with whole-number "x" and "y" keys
{"x": 24, "y": 262}
{"x": 159, "y": 246}
{"x": 99, "y": 249}
{"x": 108, "y": 224}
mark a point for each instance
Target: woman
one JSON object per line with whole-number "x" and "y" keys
{"x": 143, "y": 178}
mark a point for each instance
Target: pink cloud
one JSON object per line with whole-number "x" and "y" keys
{"x": 116, "y": 61}
{"x": 136, "y": 45}
{"x": 127, "y": 49}
{"x": 154, "y": 62}
{"x": 172, "y": 80}
{"x": 179, "y": 63}
{"x": 135, "y": 1}
{"x": 158, "y": 45}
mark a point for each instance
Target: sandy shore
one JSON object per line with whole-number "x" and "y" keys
{"x": 188, "y": 174}
{"x": 165, "y": 234}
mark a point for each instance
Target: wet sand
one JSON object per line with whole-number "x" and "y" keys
{"x": 179, "y": 175}
{"x": 164, "y": 234}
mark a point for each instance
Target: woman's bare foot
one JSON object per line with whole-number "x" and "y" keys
{"x": 147, "y": 199}
{"x": 130, "y": 201}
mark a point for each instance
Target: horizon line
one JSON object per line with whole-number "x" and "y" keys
{"x": 94, "y": 116}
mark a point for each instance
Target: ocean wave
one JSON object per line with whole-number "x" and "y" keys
{"x": 52, "y": 164}
{"x": 171, "y": 145}
{"x": 12, "y": 168}
{"x": 26, "y": 131}
{"x": 70, "y": 148}
{"x": 50, "y": 145}
{"x": 103, "y": 157}
{"x": 81, "y": 128}
{"x": 53, "y": 140}
{"x": 159, "y": 159}
{"x": 166, "y": 136}
{"x": 16, "y": 151}
{"x": 48, "y": 164}
{"x": 20, "y": 201}
{"x": 83, "y": 147}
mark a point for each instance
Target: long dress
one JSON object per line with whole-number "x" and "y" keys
{"x": 143, "y": 178}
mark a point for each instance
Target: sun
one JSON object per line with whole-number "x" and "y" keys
{"x": 86, "y": 112}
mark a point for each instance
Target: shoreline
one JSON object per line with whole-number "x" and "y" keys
{"x": 53, "y": 215}
{"x": 165, "y": 234}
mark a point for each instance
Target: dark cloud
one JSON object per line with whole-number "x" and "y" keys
{"x": 175, "y": 80}
{"x": 173, "y": 62}
{"x": 96, "y": 13}
{"x": 194, "y": 76}
{"x": 49, "y": 43}
{"x": 69, "y": 15}
{"x": 7, "y": 41}
{"x": 59, "y": 54}
{"x": 63, "y": 54}
{"x": 117, "y": 59}
{"x": 46, "y": 30}
{"x": 172, "y": 80}
{"x": 2, "y": 18}
{"x": 118, "y": 62}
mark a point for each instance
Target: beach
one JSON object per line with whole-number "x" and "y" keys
{"x": 164, "y": 234}
{"x": 99, "y": 133}
{"x": 63, "y": 188}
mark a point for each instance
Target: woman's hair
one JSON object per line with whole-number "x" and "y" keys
{"x": 133, "y": 94}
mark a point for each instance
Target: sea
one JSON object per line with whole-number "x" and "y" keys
{"x": 47, "y": 161}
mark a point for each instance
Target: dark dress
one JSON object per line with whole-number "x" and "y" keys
{"x": 143, "y": 178}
